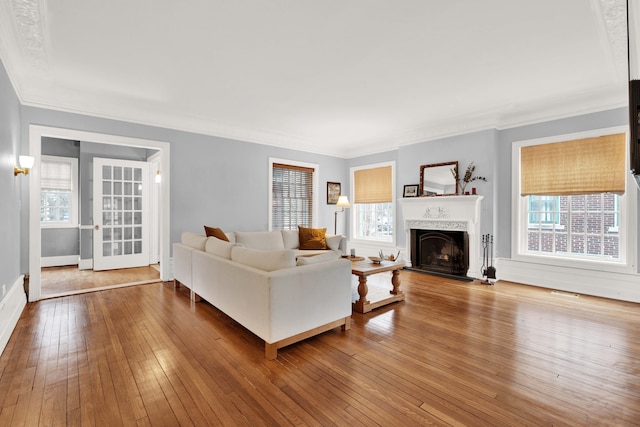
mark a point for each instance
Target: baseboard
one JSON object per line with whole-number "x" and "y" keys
{"x": 58, "y": 261}
{"x": 620, "y": 286}
{"x": 85, "y": 264}
{"x": 11, "y": 308}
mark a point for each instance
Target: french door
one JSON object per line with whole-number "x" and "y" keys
{"x": 120, "y": 214}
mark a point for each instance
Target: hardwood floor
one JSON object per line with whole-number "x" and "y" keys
{"x": 56, "y": 281}
{"x": 452, "y": 353}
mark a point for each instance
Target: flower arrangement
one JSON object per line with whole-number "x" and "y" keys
{"x": 468, "y": 176}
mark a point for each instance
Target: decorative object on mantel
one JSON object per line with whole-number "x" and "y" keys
{"x": 487, "y": 259}
{"x": 410, "y": 190}
{"x": 467, "y": 178}
{"x": 435, "y": 180}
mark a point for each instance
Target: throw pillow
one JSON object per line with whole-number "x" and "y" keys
{"x": 325, "y": 257}
{"x": 215, "y": 232}
{"x": 312, "y": 238}
{"x": 264, "y": 260}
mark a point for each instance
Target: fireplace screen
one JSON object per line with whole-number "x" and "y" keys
{"x": 445, "y": 252}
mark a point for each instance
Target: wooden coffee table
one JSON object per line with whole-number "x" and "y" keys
{"x": 377, "y": 297}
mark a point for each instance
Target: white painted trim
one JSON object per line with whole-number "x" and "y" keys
{"x": 316, "y": 186}
{"x": 85, "y": 264}
{"x": 620, "y": 286}
{"x": 36, "y": 132}
{"x": 56, "y": 261}
{"x": 11, "y": 307}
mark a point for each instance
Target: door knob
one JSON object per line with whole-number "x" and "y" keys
{"x": 97, "y": 227}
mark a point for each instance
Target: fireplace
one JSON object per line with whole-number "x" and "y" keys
{"x": 440, "y": 251}
{"x": 448, "y": 230}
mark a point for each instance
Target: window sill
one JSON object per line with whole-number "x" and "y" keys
{"x": 58, "y": 225}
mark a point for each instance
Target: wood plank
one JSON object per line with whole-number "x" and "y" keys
{"x": 452, "y": 353}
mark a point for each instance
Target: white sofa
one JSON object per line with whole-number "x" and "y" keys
{"x": 264, "y": 282}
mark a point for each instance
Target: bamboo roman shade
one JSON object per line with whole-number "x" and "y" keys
{"x": 581, "y": 166}
{"x": 292, "y": 197}
{"x": 372, "y": 185}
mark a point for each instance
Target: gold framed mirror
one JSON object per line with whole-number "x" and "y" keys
{"x": 437, "y": 180}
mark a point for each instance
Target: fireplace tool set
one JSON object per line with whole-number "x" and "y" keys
{"x": 488, "y": 270}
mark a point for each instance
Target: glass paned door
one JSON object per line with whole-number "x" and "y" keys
{"x": 120, "y": 214}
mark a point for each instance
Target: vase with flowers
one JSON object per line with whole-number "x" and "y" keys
{"x": 467, "y": 178}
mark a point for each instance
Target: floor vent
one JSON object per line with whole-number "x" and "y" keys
{"x": 565, "y": 294}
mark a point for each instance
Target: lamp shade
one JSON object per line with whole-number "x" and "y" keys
{"x": 26, "y": 161}
{"x": 343, "y": 202}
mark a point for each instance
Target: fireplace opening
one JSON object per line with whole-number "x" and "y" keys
{"x": 440, "y": 251}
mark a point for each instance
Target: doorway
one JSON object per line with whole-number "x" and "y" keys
{"x": 161, "y": 163}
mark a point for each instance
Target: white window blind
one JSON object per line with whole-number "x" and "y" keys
{"x": 55, "y": 175}
{"x": 292, "y": 196}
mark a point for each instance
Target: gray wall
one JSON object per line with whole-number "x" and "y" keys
{"x": 223, "y": 183}
{"x": 490, "y": 150}
{"x": 60, "y": 241}
{"x": 10, "y": 187}
{"x": 505, "y": 139}
{"x": 214, "y": 181}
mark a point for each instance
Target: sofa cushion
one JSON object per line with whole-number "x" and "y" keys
{"x": 193, "y": 240}
{"x": 312, "y": 238}
{"x": 267, "y": 260}
{"x": 265, "y": 240}
{"x": 290, "y": 239}
{"x": 333, "y": 242}
{"x": 219, "y": 247}
{"x": 323, "y": 257}
{"x": 215, "y": 232}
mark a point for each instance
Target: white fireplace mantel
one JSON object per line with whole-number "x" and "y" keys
{"x": 461, "y": 213}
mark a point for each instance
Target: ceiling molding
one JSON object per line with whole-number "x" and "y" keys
{"x": 336, "y": 107}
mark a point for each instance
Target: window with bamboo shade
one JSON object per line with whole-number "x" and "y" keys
{"x": 574, "y": 205}
{"x": 581, "y": 166}
{"x": 373, "y": 208}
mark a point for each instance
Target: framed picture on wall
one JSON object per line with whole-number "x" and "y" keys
{"x": 333, "y": 192}
{"x": 410, "y": 190}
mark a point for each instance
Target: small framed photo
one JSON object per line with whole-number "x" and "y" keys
{"x": 410, "y": 190}
{"x": 333, "y": 192}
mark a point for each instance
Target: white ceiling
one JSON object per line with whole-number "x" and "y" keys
{"x": 339, "y": 77}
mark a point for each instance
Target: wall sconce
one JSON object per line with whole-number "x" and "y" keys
{"x": 158, "y": 177}
{"x": 343, "y": 203}
{"x": 26, "y": 163}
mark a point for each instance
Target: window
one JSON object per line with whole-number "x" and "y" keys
{"x": 58, "y": 191}
{"x": 293, "y": 186}
{"x": 585, "y": 225}
{"x": 564, "y": 212}
{"x": 373, "y": 207}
